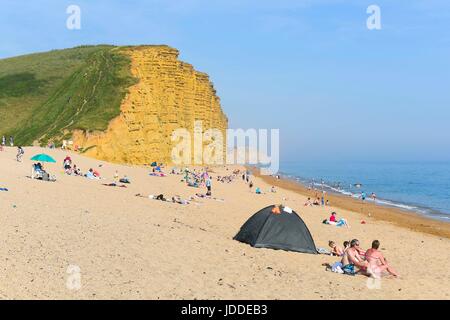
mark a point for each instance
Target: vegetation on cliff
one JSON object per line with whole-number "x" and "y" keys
{"x": 45, "y": 96}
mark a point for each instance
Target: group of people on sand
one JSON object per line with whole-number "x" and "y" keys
{"x": 69, "y": 169}
{"x": 226, "y": 179}
{"x": 73, "y": 170}
{"x": 355, "y": 260}
{"x": 198, "y": 178}
{"x": 318, "y": 201}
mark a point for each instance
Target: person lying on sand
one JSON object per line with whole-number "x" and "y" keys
{"x": 377, "y": 262}
{"x": 352, "y": 258}
{"x": 335, "y": 249}
{"x": 113, "y": 184}
{"x": 92, "y": 174}
{"x": 178, "y": 199}
{"x": 158, "y": 197}
{"x": 205, "y": 196}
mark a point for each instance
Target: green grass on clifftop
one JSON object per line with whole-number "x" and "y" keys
{"x": 46, "y": 95}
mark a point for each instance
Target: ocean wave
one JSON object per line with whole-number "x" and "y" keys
{"x": 383, "y": 202}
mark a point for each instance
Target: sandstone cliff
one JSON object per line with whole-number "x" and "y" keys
{"x": 169, "y": 95}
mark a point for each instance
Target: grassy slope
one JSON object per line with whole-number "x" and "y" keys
{"x": 44, "y": 95}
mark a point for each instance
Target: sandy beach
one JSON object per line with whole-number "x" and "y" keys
{"x": 127, "y": 247}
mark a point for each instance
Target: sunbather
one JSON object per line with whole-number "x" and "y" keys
{"x": 335, "y": 249}
{"x": 377, "y": 263}
{"x": 308, "y": 203}
{"x": 178, "y": 199}
{"x": 338, "y": 223}
{"x": 352, "y": 258}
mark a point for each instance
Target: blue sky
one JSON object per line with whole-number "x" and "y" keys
{"x": 336, "y": 90}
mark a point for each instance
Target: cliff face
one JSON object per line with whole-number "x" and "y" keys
{"x": 170, "y": 95}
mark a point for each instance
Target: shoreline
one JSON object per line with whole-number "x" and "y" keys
{"x": 405, "y": 219}
{"x": 129, "y": 247}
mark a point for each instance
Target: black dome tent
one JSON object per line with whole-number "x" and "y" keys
{"x": 282, "y": 229}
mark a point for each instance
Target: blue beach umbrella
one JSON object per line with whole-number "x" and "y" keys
{"x": 43, "y": 158}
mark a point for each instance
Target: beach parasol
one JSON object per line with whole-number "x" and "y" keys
{"x": 43, "y": 158}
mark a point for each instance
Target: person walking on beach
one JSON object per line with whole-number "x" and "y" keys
{"x": 363, "y": 196}
{"x": 20, "y": 153}
{"x": 374, "y": 196}
{"x": 11, "y": 141}
{"x": 208, "y": 186}
{"x": 3, "y": 141}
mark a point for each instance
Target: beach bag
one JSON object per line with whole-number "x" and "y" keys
{"x": 45, "y": 176}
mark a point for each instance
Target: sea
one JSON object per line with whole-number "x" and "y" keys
{"x": 420, "y": 187}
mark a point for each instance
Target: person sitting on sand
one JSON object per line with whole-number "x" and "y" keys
{"x": 273, "y": 190}
{"x": 335, "y": 249}
{"x": 377, "y": 263}
{"x": 308, "y": 203}
{"x": 352, "y": 258}
{"x": 316, "y": 202}
{"x": 91, "y": 174}
{"x": 346, "y": 245}
{"x": 76, "y": 170}
{"x": 258, "y": 190}
{"x": 338, "y": 223}
{"x": 67, "y": 164}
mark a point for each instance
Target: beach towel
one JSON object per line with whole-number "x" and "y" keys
{"x": 323, "y": 251}
{"x": 3, "y": 189}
